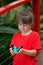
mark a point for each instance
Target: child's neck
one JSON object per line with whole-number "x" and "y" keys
{"x": 26, "y": 33}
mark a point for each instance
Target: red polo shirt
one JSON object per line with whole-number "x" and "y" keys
{"x": 31, "y": 41}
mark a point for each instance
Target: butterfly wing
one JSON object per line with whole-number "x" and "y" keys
{"x": 15, "y": 48}
{"x": 19, "y": 48}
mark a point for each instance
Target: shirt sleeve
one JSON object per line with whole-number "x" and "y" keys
{"x": 12, "y": 41}
{"x": 36, "y": 42}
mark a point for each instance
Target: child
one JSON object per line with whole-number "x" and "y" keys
{"x": 30, "y": 40}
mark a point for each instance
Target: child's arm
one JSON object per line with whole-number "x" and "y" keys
{"x": 29, "y": 52}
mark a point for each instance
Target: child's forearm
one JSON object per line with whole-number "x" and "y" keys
{"x": 30, "y": 52}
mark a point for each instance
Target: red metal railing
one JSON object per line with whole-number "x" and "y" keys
{"x": 12, "y": 5}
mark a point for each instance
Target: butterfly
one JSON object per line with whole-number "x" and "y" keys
{"x": 15, "y": 49}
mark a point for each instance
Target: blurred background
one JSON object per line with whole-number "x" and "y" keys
{"x": 8, "y": 26}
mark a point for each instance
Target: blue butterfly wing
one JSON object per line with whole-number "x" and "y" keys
{"x": 15, "y": 48}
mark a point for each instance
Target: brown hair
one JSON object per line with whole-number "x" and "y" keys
{"x": 26, "y": 16}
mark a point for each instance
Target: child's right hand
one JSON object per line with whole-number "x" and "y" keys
{"x": 12, "y": 52}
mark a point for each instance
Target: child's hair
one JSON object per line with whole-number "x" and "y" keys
{"x": 26, "y": 16}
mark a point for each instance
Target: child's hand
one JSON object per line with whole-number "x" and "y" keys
{"x": 12, "y": 52}
{"x": 21, "y": 50}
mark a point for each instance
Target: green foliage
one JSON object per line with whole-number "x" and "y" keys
{"x": 41, "y": 28}
{"x": 41, "y": 18}
{"x": 41, "y": 21}
{"x": 41, "y": 7}
{"x": 5, "y": 40}
{"x": 5, "y": 2}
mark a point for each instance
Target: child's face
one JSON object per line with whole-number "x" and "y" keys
{"x": 24, "y": 27}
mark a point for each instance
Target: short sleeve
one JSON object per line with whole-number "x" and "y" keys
{"x": 12, "y": 41}
{"x": 36, "y": 42}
